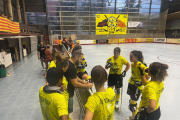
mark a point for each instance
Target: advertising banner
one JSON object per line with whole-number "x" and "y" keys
{"x": 107, "y": 24}
{"x": 160, "y": 40}
{"x": 149, "y": 39}
{"x": 101, "y": 41}
{"x": 137, "y": 39}
{"x": 178, "y": 40}
{"x": 130, "y": 40}
{"x": 122, "y": 40}
{"x": 112, "y": 41}
{"x": 135, "y": 24}
{"x": 86, "y": 41}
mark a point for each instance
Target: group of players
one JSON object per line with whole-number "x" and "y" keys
{"x": 66, "y": 43}
{"x": 65, "y": 74}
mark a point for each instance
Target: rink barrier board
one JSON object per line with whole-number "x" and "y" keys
{"x": 132, "y": 40}
{"x": 169, "y": 41}
{"x": 82, "y": 96}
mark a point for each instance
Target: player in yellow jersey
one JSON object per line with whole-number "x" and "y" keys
{"x": 100, "y": 106}
{"x": 52, "y": 101}
{"x": 82, "y": 74}
{"x": 115, "y": 78}
{"x": 135, "y": 85}
{"x": 149, "y": 108}
{"x": 61, "y": 60}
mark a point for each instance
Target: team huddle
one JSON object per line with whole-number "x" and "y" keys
{"x": 65, "y": 73}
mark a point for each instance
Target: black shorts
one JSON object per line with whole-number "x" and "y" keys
{"x": 80, "y": 74}
{"x": 42, "y": 58}
{"x": 155, "y": 115}
{"x": 134, "y": 92}
{"x": 115, "y": 80}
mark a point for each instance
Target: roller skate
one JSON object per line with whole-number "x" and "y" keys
{"x": 130, "y": 118}
{"x": 117, "y": 106}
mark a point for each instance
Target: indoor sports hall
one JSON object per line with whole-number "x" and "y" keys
{"x": 19, "y": 92}
{"x": 49, "y": 48}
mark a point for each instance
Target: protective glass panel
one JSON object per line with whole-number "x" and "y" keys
{"x": 133, "y": 1}
{"x": 121, "y": 1}
{"x": 146, "y": 6}
{"x": 155, "y": 10}
{"x": 156, "y": 1}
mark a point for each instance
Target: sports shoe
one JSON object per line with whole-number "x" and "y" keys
{"x": 130, "y": 118}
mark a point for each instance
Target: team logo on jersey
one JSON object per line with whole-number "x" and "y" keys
{"x": 115, "y": 67}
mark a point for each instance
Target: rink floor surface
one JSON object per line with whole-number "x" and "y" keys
{"x": 19, "y": 98}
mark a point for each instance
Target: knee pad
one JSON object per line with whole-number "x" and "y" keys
{"x": 118, "y": 91}
{"x": 132, "y": 106}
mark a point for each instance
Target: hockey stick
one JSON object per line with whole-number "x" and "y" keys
{"x": 90, "y": 91}
{"x": 121, "y": 100}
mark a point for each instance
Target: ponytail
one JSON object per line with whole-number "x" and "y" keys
{"x": 139, "y": 55}
{"x": 159, "y": 71}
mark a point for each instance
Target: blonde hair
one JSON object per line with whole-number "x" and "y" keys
{"x": 77, "y": 44}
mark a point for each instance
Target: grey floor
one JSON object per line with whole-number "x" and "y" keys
{"x": 19, "y": 92}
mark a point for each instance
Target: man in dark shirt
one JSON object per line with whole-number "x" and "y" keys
{"x": 73, "y": 81}
{"x": 41, "y": 50}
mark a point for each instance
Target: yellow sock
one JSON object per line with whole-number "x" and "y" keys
{"x": 118, "y": 97}
{"x": 133, "y": 113}
{"x": 89, "y": 77}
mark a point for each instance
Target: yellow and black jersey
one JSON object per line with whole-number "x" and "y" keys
{"x": 102, "y": 104}
{"x": 81, "y": 66}
{"x": 52, "y": 64}
{"x": 152, "y": 90}
{"x": 53, "y": 105}
{"x": 64, "y": 81}
{"x": 135, "y": 75}
{"x": 117, "y": 64}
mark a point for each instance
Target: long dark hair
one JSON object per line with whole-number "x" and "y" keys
{"x": 158, "y": 70}
{"x": 138, "y": 54}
